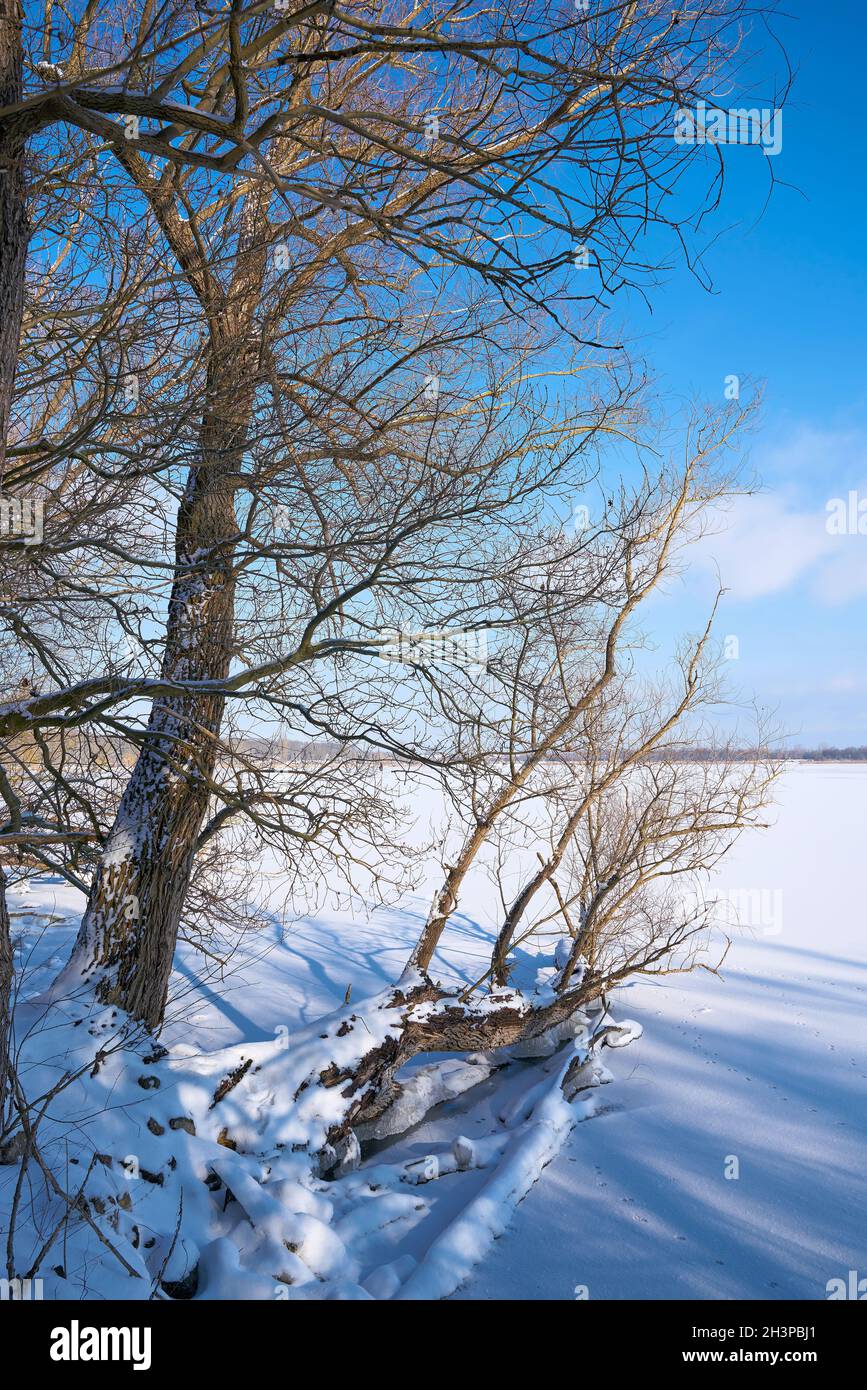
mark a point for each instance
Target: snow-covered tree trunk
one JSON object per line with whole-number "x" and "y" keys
{"x": 129, "y": 930}
{"x": 5, "y": 995}
{"x": 424, "y": 1018}
{"x": 14, "y": 235}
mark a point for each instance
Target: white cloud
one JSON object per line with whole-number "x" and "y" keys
{"x": 764, "y": 544}
{"x": 767, "y": 543}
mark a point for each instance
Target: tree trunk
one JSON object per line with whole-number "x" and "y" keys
{"x": 14, "y": 225}
{"x": 5, "y": 999}
{"x": 129, "y": 930}
{"x": 370, "y": 1088}
{"x": 14, "y": 235}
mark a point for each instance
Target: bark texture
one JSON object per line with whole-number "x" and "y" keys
{"x": 129, "y": 931}
{"x": 14, "y": 222}
{"x": 371, "y": 1087}
{"x": 5, "y": 999}
{"x": 14, "y": 235}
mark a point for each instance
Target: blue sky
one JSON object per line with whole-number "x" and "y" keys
{"x": 789, "y": 311}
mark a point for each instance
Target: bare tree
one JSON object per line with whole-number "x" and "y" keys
{"x": 375, "y": 158}
{"x": 308, "y": 359}
{"x": 578, "y": 753}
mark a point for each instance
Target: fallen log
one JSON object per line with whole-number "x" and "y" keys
{"x": 433, "y": 1020}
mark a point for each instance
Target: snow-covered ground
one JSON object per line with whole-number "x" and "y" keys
{"x": 760, "y": 1073}
{"x": 767, "y": 1065}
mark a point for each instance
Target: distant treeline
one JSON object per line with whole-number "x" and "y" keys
{"x": 832, "y": 755}
{"x": 850, "y": 754}
{"x": 108, "y": 752}
{"x": 315, "y": 750}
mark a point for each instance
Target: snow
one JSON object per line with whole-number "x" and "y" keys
{"x": 767, "y": 1065}
{"x": 761, "y": 1071}
{"x": 429, "y": 1086}
{"x": 455, "y": 1253}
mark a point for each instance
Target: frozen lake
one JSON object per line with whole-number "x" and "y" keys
{"x": 767, "y": 1065}
{"x": 728, "y": 1156}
